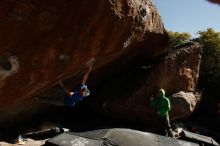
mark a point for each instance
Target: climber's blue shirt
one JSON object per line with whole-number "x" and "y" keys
{"x": 73, "y": 99}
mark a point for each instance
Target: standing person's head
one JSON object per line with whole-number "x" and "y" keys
{"x": 162, "y": 92}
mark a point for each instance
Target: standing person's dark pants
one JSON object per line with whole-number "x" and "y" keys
{"x": 167, "y": 126}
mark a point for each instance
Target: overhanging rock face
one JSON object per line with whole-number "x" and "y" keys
{"x": 42, "y": 42}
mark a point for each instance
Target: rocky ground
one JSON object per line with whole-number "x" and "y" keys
{"x": 83, "y": 119}
{"x": 29, "y": 142}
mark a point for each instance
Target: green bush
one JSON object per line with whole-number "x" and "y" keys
{"x": 210, "y": 68}
{"x": 177, "y": 39}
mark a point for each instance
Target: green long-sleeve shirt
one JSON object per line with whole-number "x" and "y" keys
{"x": 161, "y": 104}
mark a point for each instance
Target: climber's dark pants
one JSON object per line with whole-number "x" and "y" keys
{"x": 167, "y": 126}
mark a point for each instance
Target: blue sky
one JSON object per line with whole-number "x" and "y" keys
{"x": 189, "y": 15}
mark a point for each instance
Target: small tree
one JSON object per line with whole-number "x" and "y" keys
{"x": 210, "y": 69}
{"x": 177, "y": 38}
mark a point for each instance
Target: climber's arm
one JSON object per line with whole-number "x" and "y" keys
{"x": 67, "y": 91}
{"x": 89, "y": 69}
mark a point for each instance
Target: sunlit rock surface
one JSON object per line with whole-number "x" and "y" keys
{"x": 184, "y": 104}
{"x": 42, "y": 42}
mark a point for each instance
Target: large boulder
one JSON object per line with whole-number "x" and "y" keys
{"x": 129, "y": 97}
{"x": 184, "y": 104}
{"x": 43, "y": 42}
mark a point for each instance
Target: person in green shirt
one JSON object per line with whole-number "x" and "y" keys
{"x": 162, "y": 105}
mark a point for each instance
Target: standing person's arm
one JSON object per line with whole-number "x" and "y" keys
{"x": 166, "y": 107}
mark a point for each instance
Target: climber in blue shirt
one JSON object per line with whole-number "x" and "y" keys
{"x": 73, "y": 97}
{"x": 70, "y": 98}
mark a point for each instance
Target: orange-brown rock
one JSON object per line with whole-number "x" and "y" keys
{"x": 129, "y": 97}
{"x": 42, "y": 42}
